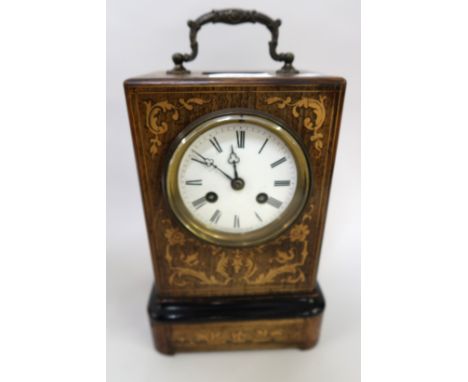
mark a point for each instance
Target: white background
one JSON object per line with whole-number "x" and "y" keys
{"x": 52, "y": 200}
{"x": 142, "y": 36}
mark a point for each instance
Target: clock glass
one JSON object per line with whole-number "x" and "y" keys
{"x": 237, "y": 178}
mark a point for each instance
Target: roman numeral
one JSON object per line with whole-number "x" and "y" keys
{"x": 261, "y": 148}
{"x": 216, "y": 144}
{"x": 199, "y": 202}
{"x": 278, "y": 162}
{"x": 240, "y": 135}
{"x": 282, "y": 183}
{"x": 195, "y": 182}
{"x": 215, "y": 217}
{"x": 236, "y": 221}
{"x": 274, "y": 202}
{"x": 258, "y": 217}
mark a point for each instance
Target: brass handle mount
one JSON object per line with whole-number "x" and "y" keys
{"x": 233, "y": 17}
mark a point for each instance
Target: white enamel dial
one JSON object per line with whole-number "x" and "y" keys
{"x": 237, "y": 177}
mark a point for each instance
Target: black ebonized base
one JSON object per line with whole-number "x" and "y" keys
{"x": 235, "y": 308}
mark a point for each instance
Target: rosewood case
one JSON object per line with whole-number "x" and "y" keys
{"x": 209, "y": 297}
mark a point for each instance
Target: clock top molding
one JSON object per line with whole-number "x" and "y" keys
{"x": 233, "y": 77}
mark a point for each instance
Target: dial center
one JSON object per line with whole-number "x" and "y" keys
{"x": 237, "y": 184}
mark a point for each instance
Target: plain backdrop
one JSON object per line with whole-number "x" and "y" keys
{"x": 142, "y": 35}
{"x": 52, "y": 196}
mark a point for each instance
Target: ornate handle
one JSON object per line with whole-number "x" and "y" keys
{"x": 233, "y": 17}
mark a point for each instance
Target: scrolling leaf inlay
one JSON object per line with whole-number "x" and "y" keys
{"x": 154, "y": 117}
{"x": 253, "y": 333}
{"x": 312, "y": 123}
{"x": 210, "y": 265}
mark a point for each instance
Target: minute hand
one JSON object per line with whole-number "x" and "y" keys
{"x": 221, "y": 171}
{"x": 210, "y": 163}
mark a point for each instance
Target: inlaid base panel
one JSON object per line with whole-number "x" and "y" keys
{"x": 301, "y": 333}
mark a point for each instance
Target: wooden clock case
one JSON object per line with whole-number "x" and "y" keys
{"x": 209, "y": 297}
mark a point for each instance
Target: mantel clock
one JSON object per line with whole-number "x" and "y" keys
{"x": 235, "y": 172}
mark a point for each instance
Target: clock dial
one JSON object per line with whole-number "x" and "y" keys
{"x": 251, "y": 171}
{"x": 237, "y": 179}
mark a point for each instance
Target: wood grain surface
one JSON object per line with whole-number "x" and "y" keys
{"x": 187, "y": 267}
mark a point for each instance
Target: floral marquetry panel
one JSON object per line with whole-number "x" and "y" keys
{"x": 185, "y": 265}
{"x": 279, "y": 262}
{"x": 247, "y": 334}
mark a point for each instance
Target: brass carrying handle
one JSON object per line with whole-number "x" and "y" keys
{"x": 233, "y": 17}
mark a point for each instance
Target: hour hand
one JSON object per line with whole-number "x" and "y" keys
{"x": 234, "y": 159}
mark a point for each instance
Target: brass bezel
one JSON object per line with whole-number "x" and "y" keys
{"x": 204, "y": 232}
